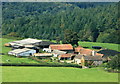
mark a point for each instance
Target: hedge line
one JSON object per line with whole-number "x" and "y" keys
{"x": 42, "y": 65}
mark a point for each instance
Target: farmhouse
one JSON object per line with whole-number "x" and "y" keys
{"x": 22, "y": 52}
{"x": 78, "y": 49}
{"x": 90, "y": 60}
{"x": 62, "y": 47}
{"x": 87, "y": 52}
{"x": 66, "y": 56}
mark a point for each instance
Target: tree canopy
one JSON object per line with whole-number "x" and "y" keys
{"x": 96, "y": 22}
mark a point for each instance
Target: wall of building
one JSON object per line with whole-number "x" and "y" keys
{"x": 77, "y": 61}
{"x": 27, "y": 53}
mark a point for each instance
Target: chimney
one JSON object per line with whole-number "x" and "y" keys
{"x": 93, "y": 53}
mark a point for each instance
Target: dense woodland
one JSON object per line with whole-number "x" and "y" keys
{"x": 96, "y": 22}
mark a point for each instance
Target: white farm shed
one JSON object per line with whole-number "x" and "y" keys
{"x": 22, "y": 52}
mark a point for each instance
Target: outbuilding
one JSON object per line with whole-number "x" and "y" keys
{"x": 22, "y": 52}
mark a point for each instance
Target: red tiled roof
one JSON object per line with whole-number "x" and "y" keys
{"x": 61, "y": 47}
{"x": 98, "y": 54}
{"x": 66, "y": 55}
{"x": 78, "y": 49}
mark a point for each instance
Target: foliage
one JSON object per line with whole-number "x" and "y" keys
{"x": 49, "y": 20}
{"x": 58, "y": 39}
{"x": 114, "y": 63}
{"x": 70, "y": 37}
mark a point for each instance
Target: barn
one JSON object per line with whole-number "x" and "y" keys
{"x": 22, "y": 52}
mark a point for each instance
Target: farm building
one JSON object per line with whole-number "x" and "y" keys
{"x": 66, "y": 56}
{"x": 7, "y": 45}
{"x": 28, "y": 41}
{"x": 22, "y": 52}
{"x": 47, "y": 50}
{"x": 56, "y": 53}
{"x": 43, "y": 55}
{"x": 87, "y": 52}
{"x": 45, "y": 44}
{"x": 17, "y": 46}
{"x": 78, "y": 49}
{"x": 108, "y": 52}
{"x": 91, "y": 60}
{"x": 62, "y": 47}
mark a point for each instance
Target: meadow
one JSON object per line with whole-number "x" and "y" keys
{"x": 103, "y": 45}
{"x": 56, "y": 74}
{"x": 53, "y": 74}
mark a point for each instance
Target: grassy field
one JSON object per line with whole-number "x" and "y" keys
{"x": 53, "y": 74}
{"x": 56, "y": 74}
{"x": 103, "y": 45}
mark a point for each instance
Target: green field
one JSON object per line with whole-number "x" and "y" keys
{"x": 103, "y": 45}
{"x": 53, "y": 74}
{"x": 56, "y": 74}
{"x": 26, "y": 60}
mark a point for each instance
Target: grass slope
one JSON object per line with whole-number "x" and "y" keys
{"x": 103, "y": 45}
{"x": 56, "y": 74}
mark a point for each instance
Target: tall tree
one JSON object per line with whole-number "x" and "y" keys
{"x": 70, "y": 37}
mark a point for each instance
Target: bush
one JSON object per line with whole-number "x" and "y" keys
{"x": 114, "y": 63}
{"x": 42, "y": 64}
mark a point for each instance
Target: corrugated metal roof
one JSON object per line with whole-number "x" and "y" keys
{"x": 20, "y": 50}
{"x": 26, "y": 41}
{"x": 59, "y": 52}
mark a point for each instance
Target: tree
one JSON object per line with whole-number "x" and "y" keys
{"x": 13, "y": 34}
{"x": 70, "y": 37}
{"x": 114, "y": 63}
{"x": 58, "y": 39}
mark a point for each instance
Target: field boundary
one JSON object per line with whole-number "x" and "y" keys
{"x": 42, "y": 65}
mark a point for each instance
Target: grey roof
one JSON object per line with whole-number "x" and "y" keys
{"x": 90, "y": 58}
{"x": 17, "y": 51}
{"x": 93, "y": 58}
{"x": 59, "y": 52}
{"x": 26, "y": 41}
{"x": 46, "y": 43}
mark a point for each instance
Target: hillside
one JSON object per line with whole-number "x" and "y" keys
{"x": 96, "y": 22}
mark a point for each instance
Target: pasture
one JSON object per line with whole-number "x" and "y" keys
{"x": 103, "y": 45}
{"x": 56, "y": 74}
{"x": 53, "y": 74}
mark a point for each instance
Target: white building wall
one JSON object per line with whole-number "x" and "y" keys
{"x": 46, "y": 49}
{"x": 27, "y": 53}
{"x": 77, "y": 61}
